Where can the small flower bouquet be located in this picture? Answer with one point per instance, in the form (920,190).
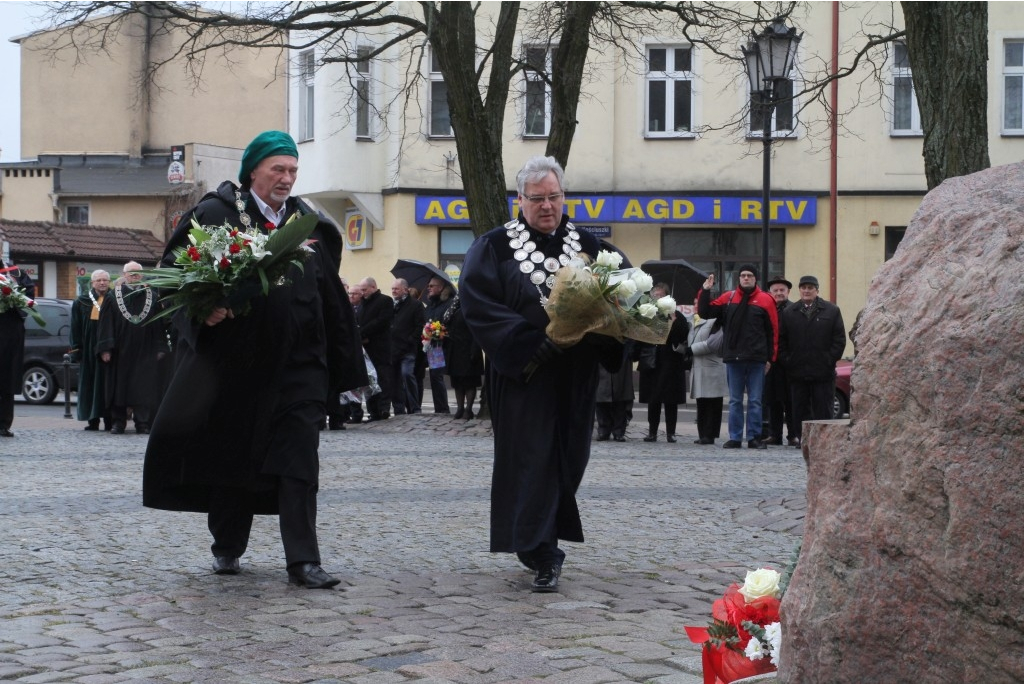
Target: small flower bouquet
(13,297)
(601,298)
(434,333)
(226,267)
(745,635)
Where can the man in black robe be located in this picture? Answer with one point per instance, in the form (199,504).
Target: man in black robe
(542,397)
(12,345)
(238,431)
(85,324)
(132,350)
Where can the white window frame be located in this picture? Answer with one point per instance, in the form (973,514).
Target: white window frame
(364,93)
(307,94)
(531,80)
(903,71)
(434,79)
(1012,72)
(671,76)
(80,207)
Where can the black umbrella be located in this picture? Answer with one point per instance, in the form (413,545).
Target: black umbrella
(683,278)
(417,274)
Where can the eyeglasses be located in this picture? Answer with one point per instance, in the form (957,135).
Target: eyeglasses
(541,199)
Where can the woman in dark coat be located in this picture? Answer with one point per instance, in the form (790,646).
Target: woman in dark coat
(664,381)
(464,360)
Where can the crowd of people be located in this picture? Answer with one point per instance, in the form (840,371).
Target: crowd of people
(316,352)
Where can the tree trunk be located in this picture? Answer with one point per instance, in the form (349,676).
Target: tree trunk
(947,43)
(477,124)
(567,77)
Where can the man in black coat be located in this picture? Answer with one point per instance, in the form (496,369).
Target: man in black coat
(542,398)
(406,337)
(378,312)
(812,340)
(778,401)
(12,345)
(238,430)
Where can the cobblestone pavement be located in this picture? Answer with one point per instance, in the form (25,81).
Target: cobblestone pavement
(95,588)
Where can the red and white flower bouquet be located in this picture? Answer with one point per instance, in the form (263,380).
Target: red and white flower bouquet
(13,297)
(745,635)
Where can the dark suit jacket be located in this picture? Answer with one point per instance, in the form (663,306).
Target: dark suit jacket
(375,327)
(407,327)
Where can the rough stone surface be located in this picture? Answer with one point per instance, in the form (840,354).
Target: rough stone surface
(911,567)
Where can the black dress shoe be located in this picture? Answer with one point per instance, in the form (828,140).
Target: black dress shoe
(547,578)
(92,426)
(311,576)
(459,414)
(226,566)
(601,437)
(469,415)
(670,438)
(757,445)
(650,438)
(6,433)
(732,444)
(118,429)
(619,438)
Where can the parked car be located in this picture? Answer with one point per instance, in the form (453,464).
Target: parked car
(45,347)
(841,399)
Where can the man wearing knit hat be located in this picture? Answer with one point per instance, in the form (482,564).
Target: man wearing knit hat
(238,431)
(813,339)
(751,327)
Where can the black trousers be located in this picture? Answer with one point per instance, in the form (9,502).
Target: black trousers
(438,391)
(230,520)
(6,410)
(812,401)
(709,417)
(654,416)
(613,417)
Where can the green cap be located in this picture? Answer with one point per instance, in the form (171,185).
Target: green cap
(266,144)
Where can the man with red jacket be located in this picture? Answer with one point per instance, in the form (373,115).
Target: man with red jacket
(751,340)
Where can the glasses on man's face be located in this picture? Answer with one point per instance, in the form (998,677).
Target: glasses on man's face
(541,199)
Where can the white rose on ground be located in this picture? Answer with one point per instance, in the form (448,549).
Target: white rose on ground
(648,310)
(666,305)
(643,281)
(754,649)
(626,289)
(764,582)
(608,259)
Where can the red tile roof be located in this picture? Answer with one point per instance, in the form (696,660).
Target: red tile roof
(46,239)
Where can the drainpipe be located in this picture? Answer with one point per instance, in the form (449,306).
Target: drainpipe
(833,192)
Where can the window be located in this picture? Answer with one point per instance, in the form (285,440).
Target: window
(307,69)
(1013,86)
(454,244)
(440,117)
(721,251)
(76,214)
(669,91)
(782,114)
(363,93)
(538,106)
(893,237)
(906,118)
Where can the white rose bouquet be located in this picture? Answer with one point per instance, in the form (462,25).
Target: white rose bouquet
(601,298)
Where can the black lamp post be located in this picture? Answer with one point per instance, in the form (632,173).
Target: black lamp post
(769,57)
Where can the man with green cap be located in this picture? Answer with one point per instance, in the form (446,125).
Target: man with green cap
(238,431)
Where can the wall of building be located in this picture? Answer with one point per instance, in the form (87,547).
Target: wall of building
(27,194)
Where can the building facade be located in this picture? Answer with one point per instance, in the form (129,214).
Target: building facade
(666,162)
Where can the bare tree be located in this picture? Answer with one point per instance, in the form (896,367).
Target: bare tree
(481,76)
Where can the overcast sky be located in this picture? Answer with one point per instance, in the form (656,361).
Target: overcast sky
(16,19)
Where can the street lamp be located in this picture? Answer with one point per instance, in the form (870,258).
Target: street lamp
(769,57)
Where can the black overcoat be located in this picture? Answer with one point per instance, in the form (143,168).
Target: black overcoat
(666,382)
(248,395)
(134,372)
(542,424)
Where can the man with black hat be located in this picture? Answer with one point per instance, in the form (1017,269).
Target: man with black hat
(777,402)
(238,431)
(813,339)
(751,327)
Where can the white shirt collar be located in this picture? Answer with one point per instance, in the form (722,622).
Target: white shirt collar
(276,217)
